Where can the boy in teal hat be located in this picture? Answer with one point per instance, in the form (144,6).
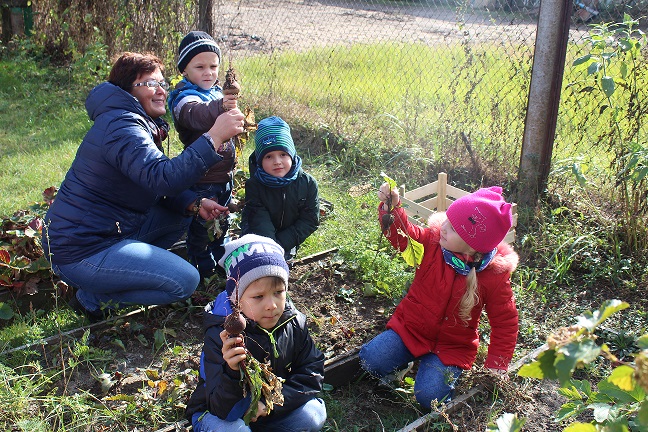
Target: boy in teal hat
(281,200)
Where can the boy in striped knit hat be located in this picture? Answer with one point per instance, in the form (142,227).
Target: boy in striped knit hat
(195,103)
(281,200)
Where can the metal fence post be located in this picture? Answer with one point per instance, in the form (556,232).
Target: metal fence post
(544,99)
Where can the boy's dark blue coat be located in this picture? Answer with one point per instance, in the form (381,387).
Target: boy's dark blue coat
(288,347)
(287,214)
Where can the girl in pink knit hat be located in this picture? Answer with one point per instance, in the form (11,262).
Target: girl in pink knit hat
(466,268)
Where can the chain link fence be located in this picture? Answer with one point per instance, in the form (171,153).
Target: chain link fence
(461,71)
(436,82)
(441,85)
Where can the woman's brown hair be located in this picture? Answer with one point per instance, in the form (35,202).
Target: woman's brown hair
(129,66)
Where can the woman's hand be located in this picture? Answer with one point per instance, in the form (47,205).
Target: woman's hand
(230,102)
(210,209)
(226,126)
(233,350)
(387,196)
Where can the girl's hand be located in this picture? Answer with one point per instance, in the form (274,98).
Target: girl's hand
(210,209)
(384,193)
(230,102)
(503,374)
(261,412)
(387,196)
(233,350)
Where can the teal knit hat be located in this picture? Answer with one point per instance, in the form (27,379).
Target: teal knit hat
(273,134)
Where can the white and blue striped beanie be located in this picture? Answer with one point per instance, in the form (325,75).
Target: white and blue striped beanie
(249,258)
(194,43)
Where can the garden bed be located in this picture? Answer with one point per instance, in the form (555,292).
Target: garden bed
(150,359)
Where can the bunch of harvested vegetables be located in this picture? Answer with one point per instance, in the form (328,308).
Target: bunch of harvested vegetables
(232,87)
(256,378)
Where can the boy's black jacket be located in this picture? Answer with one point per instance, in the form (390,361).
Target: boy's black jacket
(288,347)
(287,214)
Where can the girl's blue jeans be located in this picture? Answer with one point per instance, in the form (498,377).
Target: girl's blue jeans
(139,270)
(308,417)
(386,353)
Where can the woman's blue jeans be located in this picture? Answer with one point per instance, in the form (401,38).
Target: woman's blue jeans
(308,417)
(139,270)
(386,353)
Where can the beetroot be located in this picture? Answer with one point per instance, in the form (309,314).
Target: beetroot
(234,323)
(386,221)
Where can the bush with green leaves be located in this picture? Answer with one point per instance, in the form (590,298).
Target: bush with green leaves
(619,402)
(615,74)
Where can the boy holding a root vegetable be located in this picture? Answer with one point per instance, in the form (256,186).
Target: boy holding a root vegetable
(259,368)
(465,268)
(195,103)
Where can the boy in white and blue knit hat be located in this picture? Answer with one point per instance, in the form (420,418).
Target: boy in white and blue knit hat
(195,103)
(275,333)
(281,200)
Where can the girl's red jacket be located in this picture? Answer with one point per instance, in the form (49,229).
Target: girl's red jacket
(427,319)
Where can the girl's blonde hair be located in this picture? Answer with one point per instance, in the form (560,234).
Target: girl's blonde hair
(471,296)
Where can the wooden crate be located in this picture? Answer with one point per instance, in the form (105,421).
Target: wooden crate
(421,202)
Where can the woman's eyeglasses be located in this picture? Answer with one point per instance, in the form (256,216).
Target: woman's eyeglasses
(153,84)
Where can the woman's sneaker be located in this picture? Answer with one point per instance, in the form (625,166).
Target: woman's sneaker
(93,316)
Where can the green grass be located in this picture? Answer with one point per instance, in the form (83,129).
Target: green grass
(387,96)
(44,118)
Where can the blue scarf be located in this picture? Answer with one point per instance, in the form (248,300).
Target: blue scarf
(462,267)
(277,182)
(185,88)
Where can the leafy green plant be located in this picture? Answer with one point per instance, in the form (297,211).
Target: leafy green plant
(619,402)
(506,423)
(615,71)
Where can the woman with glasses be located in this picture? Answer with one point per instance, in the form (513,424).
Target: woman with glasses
(123,203)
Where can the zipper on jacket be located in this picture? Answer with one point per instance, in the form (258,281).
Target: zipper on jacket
(283,208)
(270,334)
(118,227)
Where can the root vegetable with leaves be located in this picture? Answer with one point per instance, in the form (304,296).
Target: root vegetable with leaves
(232,87)
(256,377)
(388,195)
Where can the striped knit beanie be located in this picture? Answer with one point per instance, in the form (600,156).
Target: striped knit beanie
(249,258)
(194,43)
(273,134)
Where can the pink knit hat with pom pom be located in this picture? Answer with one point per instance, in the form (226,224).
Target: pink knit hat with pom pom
(481,218)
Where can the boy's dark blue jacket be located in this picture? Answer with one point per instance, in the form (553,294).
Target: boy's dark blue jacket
(288,347)
(118,174)
(286,214)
